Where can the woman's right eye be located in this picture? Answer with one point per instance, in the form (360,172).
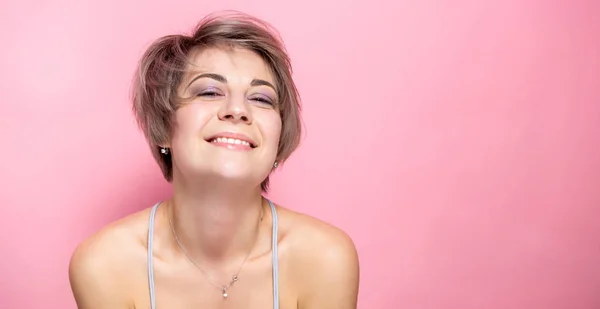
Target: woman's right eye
(208,93)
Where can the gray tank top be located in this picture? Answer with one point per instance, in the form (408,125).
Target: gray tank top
(273,257)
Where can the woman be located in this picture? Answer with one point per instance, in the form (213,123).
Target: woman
(220,111)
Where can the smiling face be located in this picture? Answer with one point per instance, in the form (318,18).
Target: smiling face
(230,129)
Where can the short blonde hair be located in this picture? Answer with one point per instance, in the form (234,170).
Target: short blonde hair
(162,66)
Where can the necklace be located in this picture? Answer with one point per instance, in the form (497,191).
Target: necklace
(223,288)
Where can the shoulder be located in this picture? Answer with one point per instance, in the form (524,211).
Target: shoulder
(100,268)
(325,260)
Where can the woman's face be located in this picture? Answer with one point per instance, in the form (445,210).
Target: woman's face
(231,129)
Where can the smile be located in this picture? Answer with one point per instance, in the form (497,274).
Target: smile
(231,141)
(234,141)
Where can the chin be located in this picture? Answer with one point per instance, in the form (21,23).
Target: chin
(237,174)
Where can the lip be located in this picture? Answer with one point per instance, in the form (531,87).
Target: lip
(240,136)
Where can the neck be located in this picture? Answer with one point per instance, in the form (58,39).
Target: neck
(216,222)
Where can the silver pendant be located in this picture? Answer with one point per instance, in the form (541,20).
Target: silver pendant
(224,292)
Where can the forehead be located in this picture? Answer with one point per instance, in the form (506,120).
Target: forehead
(231,62)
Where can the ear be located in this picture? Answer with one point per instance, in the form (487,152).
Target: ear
(166,144)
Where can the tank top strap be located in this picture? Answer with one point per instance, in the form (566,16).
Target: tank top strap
(150,259)
(274,257)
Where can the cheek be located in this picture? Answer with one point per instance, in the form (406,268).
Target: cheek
(272,131)
(189,120)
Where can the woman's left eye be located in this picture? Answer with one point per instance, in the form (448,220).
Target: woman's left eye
(262,100)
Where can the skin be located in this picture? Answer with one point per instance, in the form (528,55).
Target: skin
(318,263)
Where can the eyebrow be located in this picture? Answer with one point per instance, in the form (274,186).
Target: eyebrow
(222,79)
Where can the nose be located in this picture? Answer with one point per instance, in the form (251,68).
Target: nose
(235,110)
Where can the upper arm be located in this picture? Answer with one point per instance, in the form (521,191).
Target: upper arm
(332,279)
(92,279)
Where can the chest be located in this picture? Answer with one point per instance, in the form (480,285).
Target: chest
(186,287)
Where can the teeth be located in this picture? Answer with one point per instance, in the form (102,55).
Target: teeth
(232,141)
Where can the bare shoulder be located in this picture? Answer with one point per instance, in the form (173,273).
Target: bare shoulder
(310,234)
(325,260)
(100,268)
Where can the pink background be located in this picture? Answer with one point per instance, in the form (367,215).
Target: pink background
(457,142)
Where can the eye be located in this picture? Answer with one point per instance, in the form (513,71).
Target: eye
(262,100)
(210,93)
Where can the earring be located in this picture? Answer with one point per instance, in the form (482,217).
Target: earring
(275,164)
(164,150)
